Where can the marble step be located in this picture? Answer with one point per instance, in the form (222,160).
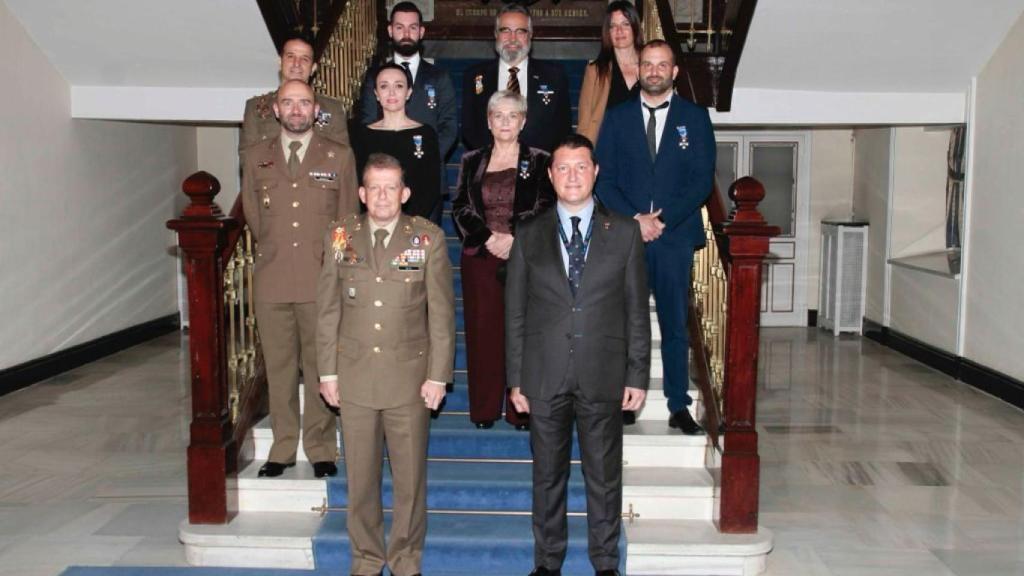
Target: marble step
(651,492)
(693,547)
(654,547)
(646,443)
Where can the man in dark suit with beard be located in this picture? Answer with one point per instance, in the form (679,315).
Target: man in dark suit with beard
(578,332)
(548,117)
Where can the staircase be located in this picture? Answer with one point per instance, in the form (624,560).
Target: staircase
(479,491)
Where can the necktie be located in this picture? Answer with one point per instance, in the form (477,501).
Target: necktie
(378,247)
(652,129)
(513,80)
(293,158)
(577,256)
(408,67)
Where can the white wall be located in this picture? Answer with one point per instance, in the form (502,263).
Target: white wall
(831,194)
(995,272)
(217,153)
(919,191)
(83,247)
(871,172)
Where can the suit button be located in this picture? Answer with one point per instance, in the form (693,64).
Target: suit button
(568,336)
(376,349)
(295,184)
(378,279)
(295,244)
(376,326)
(378,303)
(295,204)
(408,280)
(295,224)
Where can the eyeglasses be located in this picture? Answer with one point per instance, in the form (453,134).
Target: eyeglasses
(506,31)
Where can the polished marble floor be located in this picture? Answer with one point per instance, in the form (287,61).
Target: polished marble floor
(871,464)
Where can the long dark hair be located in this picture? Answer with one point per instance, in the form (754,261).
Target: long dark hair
(607,54)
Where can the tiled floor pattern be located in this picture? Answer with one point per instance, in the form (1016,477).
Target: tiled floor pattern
(871,464)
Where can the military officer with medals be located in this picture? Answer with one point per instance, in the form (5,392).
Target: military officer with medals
(259,123)
(386,346)
(293,185)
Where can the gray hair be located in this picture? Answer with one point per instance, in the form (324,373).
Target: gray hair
(514,9)
(508,96)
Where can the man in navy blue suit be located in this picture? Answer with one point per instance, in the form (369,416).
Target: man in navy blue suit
(657,158)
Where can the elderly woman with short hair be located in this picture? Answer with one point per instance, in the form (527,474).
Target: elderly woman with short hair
(499,185)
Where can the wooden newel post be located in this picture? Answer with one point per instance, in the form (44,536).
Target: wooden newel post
(748,237)
(202,232)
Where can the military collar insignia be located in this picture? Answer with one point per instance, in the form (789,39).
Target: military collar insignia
(330,154)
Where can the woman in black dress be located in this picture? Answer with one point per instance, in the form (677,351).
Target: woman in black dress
(413,144)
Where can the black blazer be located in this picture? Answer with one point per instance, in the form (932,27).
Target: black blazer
(548,114)
(439,114)
(606,327)
(533,192)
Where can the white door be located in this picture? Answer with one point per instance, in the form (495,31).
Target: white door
(781,162)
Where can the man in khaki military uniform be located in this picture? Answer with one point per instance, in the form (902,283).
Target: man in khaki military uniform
(259,123)
(293,185)
(386,345)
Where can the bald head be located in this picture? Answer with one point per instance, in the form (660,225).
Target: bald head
(296,107)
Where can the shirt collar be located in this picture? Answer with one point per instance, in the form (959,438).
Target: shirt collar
(390,227)
(286,140)
(414,60)
(648,103)
(586,215)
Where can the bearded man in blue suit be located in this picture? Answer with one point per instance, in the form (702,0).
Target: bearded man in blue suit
(657,158)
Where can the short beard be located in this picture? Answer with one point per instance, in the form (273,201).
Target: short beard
(655,89)
(406,49)
(510,56)
(299,128)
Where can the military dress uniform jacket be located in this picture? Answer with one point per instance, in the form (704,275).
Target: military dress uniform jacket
(385,327)
(288,217)
(260,125)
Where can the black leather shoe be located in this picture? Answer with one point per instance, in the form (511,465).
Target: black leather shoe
(321,469)
(273,469)
(485,425)
(683,421)
(523,427)
(612,572)
(542,571)
(628,417)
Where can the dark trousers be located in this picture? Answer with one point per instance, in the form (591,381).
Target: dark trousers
(599,429)
(483,298)
(668,271)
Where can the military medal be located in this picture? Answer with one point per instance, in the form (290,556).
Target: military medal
(684,141)
(339,242)
(323,119)
(431,96)
(545,94)
(478,84)
(265,164)
(321,176)
(415,241)
(417,140)
(410,259)
(524,169)
(266,201)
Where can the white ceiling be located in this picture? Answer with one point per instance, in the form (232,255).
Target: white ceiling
(221,48)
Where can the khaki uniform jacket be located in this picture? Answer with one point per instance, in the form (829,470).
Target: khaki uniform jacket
(593,101)
(384,328)
(288,218)
(260,125)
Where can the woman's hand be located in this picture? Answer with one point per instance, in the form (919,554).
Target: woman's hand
(499,244)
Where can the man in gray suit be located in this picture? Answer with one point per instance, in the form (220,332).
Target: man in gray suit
(578,332)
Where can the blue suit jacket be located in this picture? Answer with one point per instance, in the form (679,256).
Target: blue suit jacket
(677,182)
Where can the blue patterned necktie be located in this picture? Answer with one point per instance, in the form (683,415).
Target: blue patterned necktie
(577,255)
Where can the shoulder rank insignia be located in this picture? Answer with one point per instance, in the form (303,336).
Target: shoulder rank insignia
(263,106)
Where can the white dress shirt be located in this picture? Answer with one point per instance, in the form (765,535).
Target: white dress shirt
(521,75)
(414,63)
(660,118)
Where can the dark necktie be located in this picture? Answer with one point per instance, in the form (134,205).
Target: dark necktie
(293,158)
(652,129)
(408,67)
(513,80)
(378,247)
(577,256)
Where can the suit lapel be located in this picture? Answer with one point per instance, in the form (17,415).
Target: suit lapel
(669,134)
(598,239)
(638,123)
(552,242)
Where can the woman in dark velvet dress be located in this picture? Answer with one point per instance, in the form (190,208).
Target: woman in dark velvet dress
(499,185)
(413,144)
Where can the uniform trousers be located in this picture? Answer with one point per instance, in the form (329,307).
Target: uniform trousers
(483,297)
(288,333)
(668,270)
(599,429)
(366,431)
